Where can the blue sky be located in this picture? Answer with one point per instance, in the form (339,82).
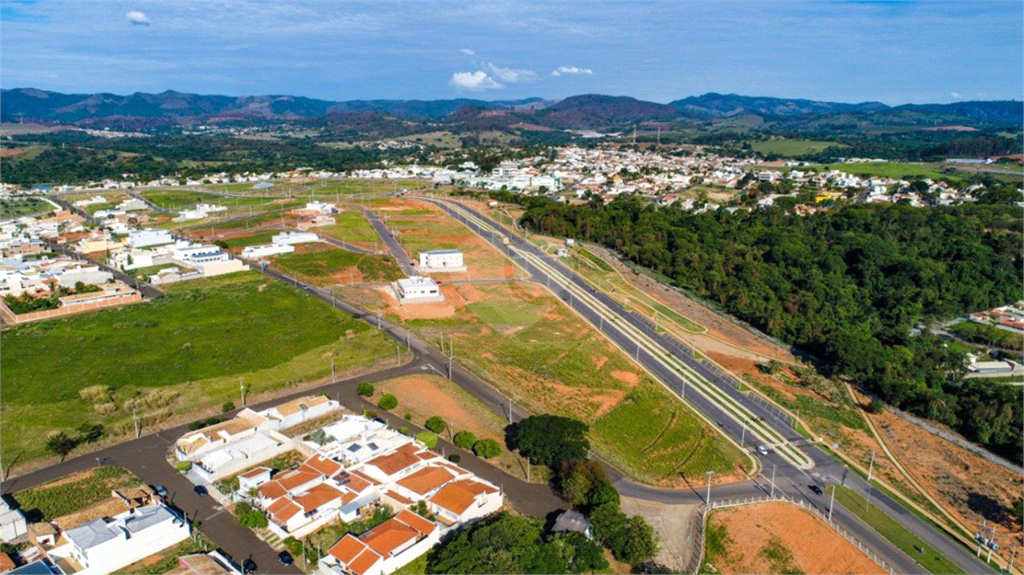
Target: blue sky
(661,51)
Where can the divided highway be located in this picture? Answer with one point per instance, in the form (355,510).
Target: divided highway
(797,464)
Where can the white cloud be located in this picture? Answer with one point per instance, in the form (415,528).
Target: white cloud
(956,95)
(572,70)
(468,52)
(138,18)
(511,75)
(478,80)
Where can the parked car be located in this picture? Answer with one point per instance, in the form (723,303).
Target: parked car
(201,491)
(249,566)
(160,490)
(285,558)
(817,490)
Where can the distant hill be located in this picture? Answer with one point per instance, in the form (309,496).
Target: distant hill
(587,111)
(712,105)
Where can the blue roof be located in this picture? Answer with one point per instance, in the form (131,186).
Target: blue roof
(38,567)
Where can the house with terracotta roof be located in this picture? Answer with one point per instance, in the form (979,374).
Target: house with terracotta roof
(383,549)
(465,500)
(392,466)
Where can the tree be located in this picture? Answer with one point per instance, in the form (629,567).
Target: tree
(502,544)
(640,544)
(388,402)
(427,438)
(436,424)
(487,448)
(464,439)
(228,406)
(550,439)
(580,554)
(249,516)
(89,432)
(365,389)
(1018,511)
(60,444)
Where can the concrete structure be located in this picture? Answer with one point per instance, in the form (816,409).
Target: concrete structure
(292,238)
(255,252)
(147,238)
(418,289)
(12,522)
(212,563)
(441,261)
(106,545)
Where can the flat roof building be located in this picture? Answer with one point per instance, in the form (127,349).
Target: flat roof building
(418,289)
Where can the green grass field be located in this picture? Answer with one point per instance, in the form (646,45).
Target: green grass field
(253,239)
(172,356)
(898,535)
(353,227)
(48,502)
(321,266)
(531,346)
(28,206)
(897,170)
(790,147)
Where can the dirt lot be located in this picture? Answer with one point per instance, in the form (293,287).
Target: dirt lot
(674,525)
(782,538)
(424,396)
(972,488)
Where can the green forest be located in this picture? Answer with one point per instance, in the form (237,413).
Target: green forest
(845,286)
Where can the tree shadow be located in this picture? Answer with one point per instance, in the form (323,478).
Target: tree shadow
(988,507)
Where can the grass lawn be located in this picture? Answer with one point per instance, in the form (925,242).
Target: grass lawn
(27,206)
(69,494)
(790,147)
(353,227)
(898,535)
(897,170)
(172,356)
(532,347)
(254,239)
(987,335)
(324,265)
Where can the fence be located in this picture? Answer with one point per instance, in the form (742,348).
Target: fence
(698,558)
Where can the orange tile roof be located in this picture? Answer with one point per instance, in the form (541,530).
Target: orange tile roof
(296,477)
(364,562)
(317,497)
(426,480)
(254,472)
(347,549)
(398,498)
(389,536)
(6,563)
(421,525)
(397,460)
(324,465)
(364,477)
(283,509)
(300,404)
(459,495)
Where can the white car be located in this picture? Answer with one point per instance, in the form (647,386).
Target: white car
(762,450)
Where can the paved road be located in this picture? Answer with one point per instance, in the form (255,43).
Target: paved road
(145,288)
(792,479)
(396,249)
(75,209)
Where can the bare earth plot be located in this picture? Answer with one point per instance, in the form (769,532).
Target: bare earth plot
(778,538)
(424,396)
(674,526)
(532,347)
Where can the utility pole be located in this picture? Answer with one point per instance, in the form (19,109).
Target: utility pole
(334,379)
(510,410)
(871,466)
(707,499)
(831,502)
(241,387)
(378,318)
(773,483)
(138,427)
(743,436)
(398,352)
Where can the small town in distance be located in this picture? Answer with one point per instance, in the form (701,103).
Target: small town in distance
(496,321)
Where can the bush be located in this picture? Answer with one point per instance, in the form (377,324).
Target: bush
(404,431)
(388,402)
(60,444)
(183,466)
(436,424)
(464,439)
(248,516)
(487,448)
(427,438)
(369,414)
(407,416)
(364,389)
(876,406)
(455,458)
(228,406)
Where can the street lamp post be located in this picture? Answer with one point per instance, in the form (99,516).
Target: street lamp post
(708,498)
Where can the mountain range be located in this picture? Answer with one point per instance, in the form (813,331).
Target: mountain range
(576,112)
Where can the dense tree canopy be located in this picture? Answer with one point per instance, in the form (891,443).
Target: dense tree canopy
(847,286)
(549,439)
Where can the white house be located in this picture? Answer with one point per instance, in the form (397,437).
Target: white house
(441,261)
(146,238)
(322,208)
(106,545)
(383,549)
(12,522)
(292,238)
(464,500)
(209,260)
(253,252)
(418,289)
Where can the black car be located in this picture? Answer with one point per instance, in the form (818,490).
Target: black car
(285,558)
(249,566)
(201,491)
(817,490)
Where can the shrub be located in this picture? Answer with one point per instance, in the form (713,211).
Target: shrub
(364,389)
(89,432)
(404,431)
(60,444)
(183,466)
(248,516)
(96,393)
(407,416)
(228,406)
(388,402)
(455,458)
(487,448)
(369,414)
(876,406)
(436,424)
(465,439)
(427,438)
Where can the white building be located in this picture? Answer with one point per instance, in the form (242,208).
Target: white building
(147,238)
(12,522)
(254,252)
(322,208)
(106,545)
(418,289)
(441,261)
(90,201)
(383,549)
(292,238)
